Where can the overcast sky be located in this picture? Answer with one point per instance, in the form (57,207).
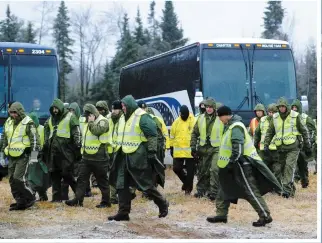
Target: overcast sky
(201,19)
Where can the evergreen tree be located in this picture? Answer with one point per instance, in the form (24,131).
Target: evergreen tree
(273,19)
(29,35)
(311,77)
(139,33)
(63,43)
(171,33)
(10,27)
(153,22)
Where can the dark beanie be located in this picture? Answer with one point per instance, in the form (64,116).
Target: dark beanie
(142,104)
(224,111)
(117,105)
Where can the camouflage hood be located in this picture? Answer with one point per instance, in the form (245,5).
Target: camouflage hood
(260,107)
(103,104)
(283,102)
(298,105)
(18,107)
(210,102)
(35,119)
(60,106)
(130,104)
(91,109)
(272,107)
(76,108)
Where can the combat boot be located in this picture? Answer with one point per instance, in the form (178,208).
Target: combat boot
(263,221)
(104,205)
(119,217)
(163,211)
(217,219)
(74,203)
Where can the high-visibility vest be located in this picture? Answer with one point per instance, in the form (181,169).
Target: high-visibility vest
(117,137)
(131,136)
(110,136)
(92,143)
(285,130)
(225,150)
(18,139)
(304,118)
(264,125)
(82,121)
(41,133)
(253,125)
(216,131)
(63,129)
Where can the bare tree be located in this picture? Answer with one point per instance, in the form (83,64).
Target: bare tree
(46,9)
(93,32)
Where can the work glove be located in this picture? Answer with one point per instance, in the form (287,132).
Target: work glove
(3,161)
(285,194)
(266,149)
(171,151)
(194,154)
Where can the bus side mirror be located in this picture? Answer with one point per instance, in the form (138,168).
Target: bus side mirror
(198,99)
(305,104)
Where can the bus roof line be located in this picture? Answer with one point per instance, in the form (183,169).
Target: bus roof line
(23,45)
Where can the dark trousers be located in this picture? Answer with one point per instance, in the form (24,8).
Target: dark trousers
(100,171)
(124,195)
(185,177)
(56,177)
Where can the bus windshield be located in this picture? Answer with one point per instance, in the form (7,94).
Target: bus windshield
(224,76)
(273,75)
(34,81)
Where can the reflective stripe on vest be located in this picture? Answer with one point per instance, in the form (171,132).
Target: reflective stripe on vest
(109,136)
(82,121)
(133,135)
(263,126)
(225,150)
(285,131)
(18,140)
(41,133)
(63,129)
(118,133)
(216,131)
(92,143)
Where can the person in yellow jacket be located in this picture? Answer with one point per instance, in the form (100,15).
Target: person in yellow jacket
(208,131)
(180,136)
(270,158)
(20,142)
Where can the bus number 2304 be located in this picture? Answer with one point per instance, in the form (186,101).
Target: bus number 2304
(33,51)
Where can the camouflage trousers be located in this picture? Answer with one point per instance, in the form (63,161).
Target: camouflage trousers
(208,181)
(287,167)
(250,191)
(272,161)
(302,171)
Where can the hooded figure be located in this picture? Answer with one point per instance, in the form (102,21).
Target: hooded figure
(242,174)
(184,165)
(102,108)
(74,107)
(288,129)
(94,157)
(271,158)
(259,111)
(135,162)
(20,139)
(208,131)
(61,147)
(302,162)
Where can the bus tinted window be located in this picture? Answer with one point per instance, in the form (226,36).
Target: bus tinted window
(224,76)
(34,82)
(274,75)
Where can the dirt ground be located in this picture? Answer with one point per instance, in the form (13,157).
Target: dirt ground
(294,218)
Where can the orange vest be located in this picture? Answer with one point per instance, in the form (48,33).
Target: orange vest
(253,125)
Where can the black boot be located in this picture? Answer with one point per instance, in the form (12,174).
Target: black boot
(217,219)
(163,211)
(262,221)
(198,195)
(119,217)
(74,203)
(305,185)
(88,193)
(104,205)
(212,197)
